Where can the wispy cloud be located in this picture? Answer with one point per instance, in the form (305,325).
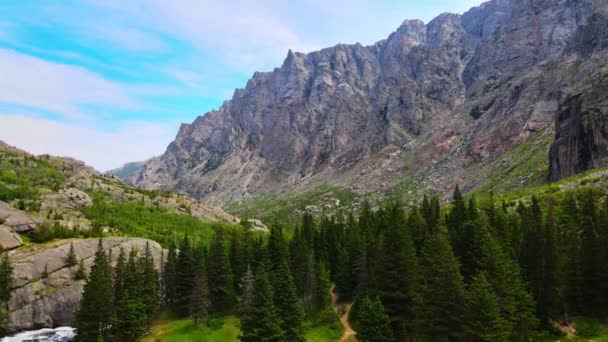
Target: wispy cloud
(33,82)
(101,148)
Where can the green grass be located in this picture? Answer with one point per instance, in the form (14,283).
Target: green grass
(153,222)
(523,166)
(324,326)
(223,329)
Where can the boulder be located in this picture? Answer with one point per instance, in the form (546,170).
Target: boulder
(43,302)
(9,239)
(18,220)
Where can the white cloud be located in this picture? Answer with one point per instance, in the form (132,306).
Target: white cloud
(103,149)
(61,88)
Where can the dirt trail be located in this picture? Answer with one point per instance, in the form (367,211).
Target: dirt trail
(343,311)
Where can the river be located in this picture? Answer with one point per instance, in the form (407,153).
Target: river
(61,334)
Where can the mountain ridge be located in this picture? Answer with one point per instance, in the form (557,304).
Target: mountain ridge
(367,117)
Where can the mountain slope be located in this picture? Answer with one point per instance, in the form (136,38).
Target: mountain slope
(433,104)
(127,170)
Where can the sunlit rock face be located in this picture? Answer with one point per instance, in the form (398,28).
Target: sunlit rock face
(44,301)
(322,116)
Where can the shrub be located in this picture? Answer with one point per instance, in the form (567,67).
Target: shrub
(588,329)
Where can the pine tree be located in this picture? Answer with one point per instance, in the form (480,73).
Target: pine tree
(569,242)
(200,298)
(119,274)
(93,317)
(149,281)
(418,227)
(260,320)
(6,281)
(441,296)
(516,303)
(71,257)
(130,320)
(288,304)
(322,297)
(344,280)
(170,278)
(483,319)
(220,275)
(81,273)
(6,278)
(373,323)
(184,278)
(238,257)
(591,251)
(398,273)
(246,288)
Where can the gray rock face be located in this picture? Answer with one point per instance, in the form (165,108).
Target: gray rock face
(38,302)
(9,239)
(17,220)
(581,141)
(322,115)
(65,207)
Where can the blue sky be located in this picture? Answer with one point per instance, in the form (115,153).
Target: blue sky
(110,81)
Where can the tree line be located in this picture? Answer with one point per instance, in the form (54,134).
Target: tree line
(467,271)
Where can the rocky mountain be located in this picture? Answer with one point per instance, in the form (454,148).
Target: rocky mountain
(452,101)
(126,171)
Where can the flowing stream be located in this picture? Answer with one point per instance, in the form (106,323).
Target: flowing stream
(61,334)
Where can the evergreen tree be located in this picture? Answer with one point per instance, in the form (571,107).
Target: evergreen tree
(220,275)
(260,320)
(184,278)
(441,295)
(483,319)
(95,312)
(6,281)
(130,319)
(591,254)
(119,274)
(516,303)
(344,282)
(322,297)
(81,273)
(373,323)
(246,288)
(288,304)
(170,278)
(71,257)
(398,273)
(238,257)
(6,278)
(149,281)
(200,298)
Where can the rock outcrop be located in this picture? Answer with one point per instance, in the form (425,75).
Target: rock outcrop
(17,220)
(38,301)
(581,140)
(9,239)
(331,115)
(65,207)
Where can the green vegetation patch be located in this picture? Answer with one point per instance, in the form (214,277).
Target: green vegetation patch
(324,326)
(287,209)
(153,222)
(523,166)
(25,178)
(184,330)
